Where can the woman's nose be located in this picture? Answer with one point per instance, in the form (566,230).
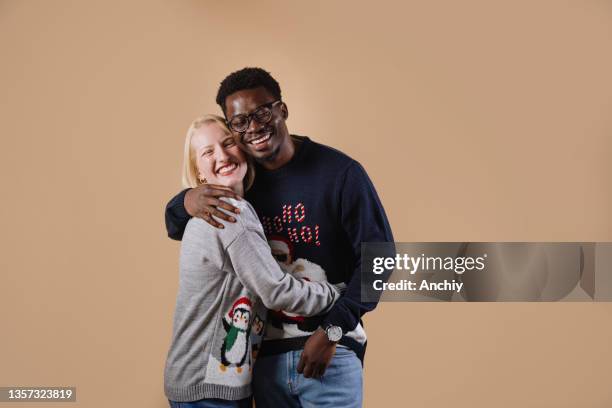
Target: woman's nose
(221,154)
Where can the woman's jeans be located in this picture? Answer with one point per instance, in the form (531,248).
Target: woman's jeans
(276,382)
(213,403)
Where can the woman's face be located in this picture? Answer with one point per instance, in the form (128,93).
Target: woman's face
(219,159)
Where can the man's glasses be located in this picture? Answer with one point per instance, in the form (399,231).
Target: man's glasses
(262,115)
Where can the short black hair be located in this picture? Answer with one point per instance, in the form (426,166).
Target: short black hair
(247,78)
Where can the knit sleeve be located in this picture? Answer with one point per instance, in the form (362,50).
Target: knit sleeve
(176,216)
(363,219)
(252,261)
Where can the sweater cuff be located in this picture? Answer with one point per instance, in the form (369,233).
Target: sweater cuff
(341,316)
(177,205)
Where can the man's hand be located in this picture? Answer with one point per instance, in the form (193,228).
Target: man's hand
(317,354)
(203,202)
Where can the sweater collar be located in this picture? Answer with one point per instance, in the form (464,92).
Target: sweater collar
(297,157)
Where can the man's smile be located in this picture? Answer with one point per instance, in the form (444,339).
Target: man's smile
(260,141)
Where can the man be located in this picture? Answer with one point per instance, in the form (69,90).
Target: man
(322,205)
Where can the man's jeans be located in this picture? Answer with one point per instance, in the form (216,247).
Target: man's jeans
(276,382)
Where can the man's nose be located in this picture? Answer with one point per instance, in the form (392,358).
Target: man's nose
(254,126)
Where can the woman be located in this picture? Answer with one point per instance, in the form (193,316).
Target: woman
(228,278)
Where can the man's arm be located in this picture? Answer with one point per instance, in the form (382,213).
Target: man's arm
(202,202)
(363,219)
(176,216)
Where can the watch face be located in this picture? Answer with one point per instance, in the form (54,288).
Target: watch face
(334,333)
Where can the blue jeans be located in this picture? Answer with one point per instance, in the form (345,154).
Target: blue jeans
(276,382)
(213,403)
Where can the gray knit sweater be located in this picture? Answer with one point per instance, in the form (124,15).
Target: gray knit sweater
(228,278)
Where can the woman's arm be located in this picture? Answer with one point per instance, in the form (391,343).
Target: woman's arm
(252,260)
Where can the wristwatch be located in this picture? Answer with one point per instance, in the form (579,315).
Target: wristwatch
(334,333)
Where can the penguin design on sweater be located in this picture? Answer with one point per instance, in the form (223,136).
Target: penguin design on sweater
(236,346)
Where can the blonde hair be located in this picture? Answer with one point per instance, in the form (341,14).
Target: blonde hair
(190,166)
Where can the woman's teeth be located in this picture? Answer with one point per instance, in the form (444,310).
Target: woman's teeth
(260,140)
(228,168)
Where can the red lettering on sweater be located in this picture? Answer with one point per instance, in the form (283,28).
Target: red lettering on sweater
(291,214)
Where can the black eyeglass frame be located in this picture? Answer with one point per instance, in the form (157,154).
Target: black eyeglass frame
(268,106)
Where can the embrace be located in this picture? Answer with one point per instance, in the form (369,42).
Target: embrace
(269,301)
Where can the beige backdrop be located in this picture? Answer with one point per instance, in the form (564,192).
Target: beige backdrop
(476,120)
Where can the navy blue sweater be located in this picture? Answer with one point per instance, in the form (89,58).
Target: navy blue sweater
(319,207)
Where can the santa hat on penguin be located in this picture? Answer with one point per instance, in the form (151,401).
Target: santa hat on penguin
(242,303)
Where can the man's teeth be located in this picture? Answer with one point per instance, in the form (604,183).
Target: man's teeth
(228,168)
(261,139)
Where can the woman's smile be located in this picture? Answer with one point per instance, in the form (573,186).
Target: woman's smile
(227,169)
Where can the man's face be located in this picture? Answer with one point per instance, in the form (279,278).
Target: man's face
(260,140)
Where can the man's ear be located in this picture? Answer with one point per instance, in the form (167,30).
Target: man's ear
(284,110)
